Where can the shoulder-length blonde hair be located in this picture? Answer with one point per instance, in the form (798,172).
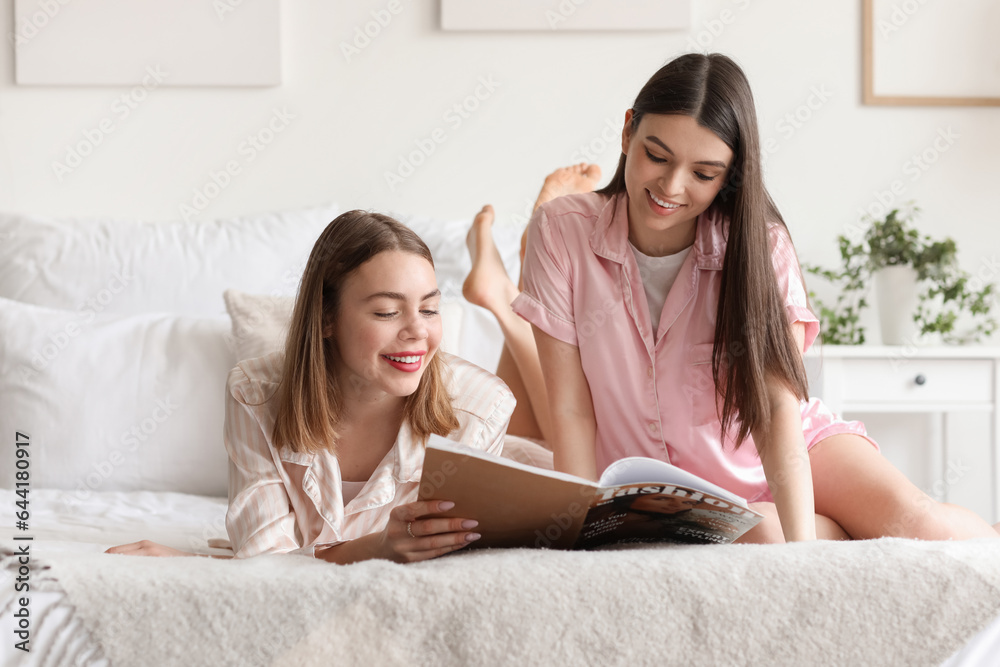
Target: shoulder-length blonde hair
(310,404)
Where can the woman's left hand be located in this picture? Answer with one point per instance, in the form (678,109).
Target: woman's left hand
(147,548)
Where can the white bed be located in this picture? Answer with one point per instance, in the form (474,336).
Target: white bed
(65,524)
(61,633)
(79,382)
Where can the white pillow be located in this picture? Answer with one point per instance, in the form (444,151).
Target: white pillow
(114,403)
(260,323)
(128,267)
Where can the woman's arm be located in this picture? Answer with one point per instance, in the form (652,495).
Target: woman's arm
(571,406)
(785,459)
(408,537)
(147,548)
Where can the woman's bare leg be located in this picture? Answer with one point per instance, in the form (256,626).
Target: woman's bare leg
(572,180)
(523,421)
(489,286)
(860,494)
(861,490)
(768,531)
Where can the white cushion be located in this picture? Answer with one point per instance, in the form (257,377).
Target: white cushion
(128,267)
(114,403)
(259,322)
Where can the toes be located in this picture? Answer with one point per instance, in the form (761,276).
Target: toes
(485,214)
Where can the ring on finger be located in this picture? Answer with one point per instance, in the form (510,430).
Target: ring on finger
(409,528)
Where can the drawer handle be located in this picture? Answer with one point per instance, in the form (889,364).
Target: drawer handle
(920,380)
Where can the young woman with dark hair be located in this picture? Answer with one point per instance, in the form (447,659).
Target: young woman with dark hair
(669,319)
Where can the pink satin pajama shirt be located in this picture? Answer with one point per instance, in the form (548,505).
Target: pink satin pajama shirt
(652,397)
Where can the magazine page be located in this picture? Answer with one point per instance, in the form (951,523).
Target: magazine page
(663,513)
(517,505)
(636,469)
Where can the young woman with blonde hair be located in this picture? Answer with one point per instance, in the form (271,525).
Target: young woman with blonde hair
(326,438)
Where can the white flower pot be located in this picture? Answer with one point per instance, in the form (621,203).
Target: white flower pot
(896,292)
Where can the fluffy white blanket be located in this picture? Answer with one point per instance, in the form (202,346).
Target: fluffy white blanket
(885,601)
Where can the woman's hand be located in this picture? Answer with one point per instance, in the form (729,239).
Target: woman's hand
(410,536)
(147,548)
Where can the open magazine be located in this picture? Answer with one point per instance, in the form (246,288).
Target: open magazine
(636,500)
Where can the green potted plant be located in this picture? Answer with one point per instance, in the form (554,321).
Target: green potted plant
(920,289)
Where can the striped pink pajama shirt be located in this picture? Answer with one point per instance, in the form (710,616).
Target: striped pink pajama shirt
(291,502)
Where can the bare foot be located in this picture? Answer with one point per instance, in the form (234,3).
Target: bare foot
(581,177)
(487,284)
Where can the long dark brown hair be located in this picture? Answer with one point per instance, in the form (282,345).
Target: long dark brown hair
(753,338)
(310,402)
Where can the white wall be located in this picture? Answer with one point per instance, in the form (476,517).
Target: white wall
(355,118)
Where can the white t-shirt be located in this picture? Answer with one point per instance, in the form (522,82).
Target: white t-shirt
(658,275)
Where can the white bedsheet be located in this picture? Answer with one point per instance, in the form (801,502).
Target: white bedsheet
(61,521)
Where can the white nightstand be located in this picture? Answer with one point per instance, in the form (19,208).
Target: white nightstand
(937,380)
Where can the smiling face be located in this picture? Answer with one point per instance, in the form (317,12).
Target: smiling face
(387,327)
(674,168)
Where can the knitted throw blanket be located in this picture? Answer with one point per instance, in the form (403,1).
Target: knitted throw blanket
(887,601)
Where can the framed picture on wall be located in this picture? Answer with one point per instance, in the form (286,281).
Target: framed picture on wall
(565,14)
(923,53)
(167,42)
